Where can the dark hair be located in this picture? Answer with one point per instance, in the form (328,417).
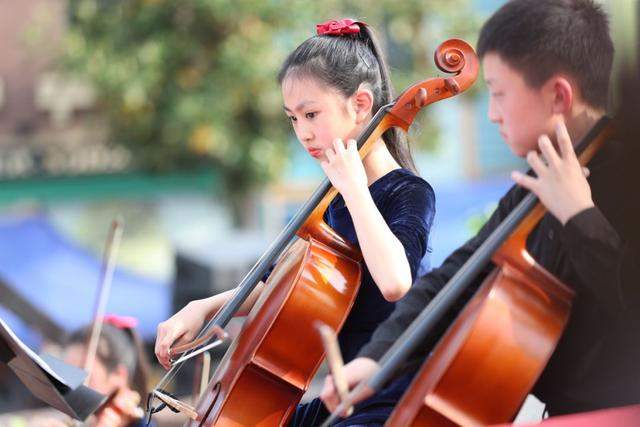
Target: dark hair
(542,37)
(344,62)
(118,347)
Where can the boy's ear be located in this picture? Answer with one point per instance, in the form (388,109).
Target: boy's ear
(362,102)
(563,95)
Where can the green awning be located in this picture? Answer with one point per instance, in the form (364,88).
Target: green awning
(96,187)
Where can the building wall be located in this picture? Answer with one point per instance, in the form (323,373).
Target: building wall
(29,35)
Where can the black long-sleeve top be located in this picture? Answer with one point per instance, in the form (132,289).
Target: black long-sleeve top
(597,361)
(407,204)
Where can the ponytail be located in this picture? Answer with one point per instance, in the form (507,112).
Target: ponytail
(396,141)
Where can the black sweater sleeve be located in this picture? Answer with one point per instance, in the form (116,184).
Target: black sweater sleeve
(603,262)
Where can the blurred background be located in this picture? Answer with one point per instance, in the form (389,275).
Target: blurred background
(168,115)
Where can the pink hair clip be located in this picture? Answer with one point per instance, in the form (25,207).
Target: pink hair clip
(121,322)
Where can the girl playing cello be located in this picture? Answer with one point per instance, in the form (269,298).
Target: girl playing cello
(332,84)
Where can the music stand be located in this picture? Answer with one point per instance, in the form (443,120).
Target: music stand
(56,383)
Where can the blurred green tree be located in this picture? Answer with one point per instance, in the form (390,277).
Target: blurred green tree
(191,83)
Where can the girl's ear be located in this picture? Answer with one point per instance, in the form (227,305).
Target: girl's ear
(362,102)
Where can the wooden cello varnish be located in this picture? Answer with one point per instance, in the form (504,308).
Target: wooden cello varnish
(276,352)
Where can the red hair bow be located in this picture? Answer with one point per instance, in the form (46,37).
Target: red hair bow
(121,322)
(338,28)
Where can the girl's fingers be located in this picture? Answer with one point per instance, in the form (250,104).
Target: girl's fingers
(352,149)
(159,347)
(338,146)
(325,167)
(162,347)
(182,339)
(330,154)
(162,353)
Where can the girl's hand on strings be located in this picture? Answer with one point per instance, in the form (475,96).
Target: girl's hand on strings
(344,168)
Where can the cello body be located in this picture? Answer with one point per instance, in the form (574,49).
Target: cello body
(312,282)
(484,366)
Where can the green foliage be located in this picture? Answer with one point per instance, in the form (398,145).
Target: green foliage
(191,83)
(186,83)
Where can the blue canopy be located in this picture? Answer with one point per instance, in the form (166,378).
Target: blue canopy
(61,279)
(457,202)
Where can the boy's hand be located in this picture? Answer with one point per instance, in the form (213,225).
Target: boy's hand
(561,184)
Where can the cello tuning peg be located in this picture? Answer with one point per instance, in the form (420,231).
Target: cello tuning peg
(452,85)
(420,99)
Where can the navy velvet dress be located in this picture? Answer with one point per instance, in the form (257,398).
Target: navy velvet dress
(407,204)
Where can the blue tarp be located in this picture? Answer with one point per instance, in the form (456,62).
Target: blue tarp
(61,279)
(456,204)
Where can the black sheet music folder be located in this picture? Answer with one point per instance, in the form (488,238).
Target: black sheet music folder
(56,383)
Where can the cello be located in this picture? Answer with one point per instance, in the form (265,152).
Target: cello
(269,366)
(491,357)
(483,367)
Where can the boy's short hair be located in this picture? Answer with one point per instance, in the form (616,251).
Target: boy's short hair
(540,38)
